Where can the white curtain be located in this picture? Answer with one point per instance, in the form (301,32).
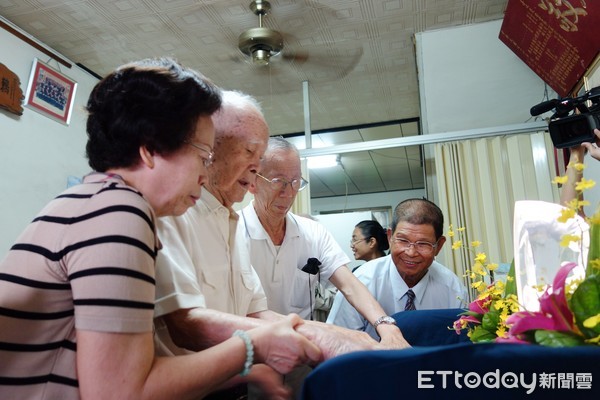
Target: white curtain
(478,183)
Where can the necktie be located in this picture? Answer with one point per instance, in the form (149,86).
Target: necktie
(410,301)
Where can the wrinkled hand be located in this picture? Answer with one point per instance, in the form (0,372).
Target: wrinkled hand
(269,382)
(334,340)
(391,337)
(282,348)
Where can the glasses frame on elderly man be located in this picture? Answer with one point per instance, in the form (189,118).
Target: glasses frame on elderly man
(422,247)
(280,184)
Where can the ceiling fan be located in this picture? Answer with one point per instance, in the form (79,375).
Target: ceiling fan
(260,43)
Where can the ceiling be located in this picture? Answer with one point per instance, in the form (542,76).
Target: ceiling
(357,55)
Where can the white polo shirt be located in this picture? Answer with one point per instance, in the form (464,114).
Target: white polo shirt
(205,263)
(279,268)
(439,288)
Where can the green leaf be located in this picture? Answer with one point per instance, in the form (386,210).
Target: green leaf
(472,314)
(594,252)
(557,339)
(490,321)
(482,335)
(511,284)
(585,303)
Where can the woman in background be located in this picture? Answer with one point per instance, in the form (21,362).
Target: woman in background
(369,241)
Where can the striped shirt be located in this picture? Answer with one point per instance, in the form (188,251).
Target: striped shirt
(85,262)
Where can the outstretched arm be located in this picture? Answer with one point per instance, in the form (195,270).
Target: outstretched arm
(360,298)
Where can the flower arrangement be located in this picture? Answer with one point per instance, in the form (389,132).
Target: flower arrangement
(569,313)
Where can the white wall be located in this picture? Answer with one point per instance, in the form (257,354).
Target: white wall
(469,79)
(37,154)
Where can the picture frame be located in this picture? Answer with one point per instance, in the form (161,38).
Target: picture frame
(50,93)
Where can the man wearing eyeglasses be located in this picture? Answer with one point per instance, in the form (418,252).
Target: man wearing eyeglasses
(408,278)
(280,244)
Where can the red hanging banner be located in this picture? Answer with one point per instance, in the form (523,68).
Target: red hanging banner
(557,39)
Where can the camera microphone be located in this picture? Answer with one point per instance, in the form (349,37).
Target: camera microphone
(543,107)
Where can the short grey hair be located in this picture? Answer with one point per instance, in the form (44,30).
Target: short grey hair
(419,212)
(276,144)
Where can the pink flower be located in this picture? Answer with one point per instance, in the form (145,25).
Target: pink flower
(463,322)
(478,307)
(554,311)
(511,339)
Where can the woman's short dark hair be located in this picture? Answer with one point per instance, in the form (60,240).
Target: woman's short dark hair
(154,103)
(419,212)
(373,229)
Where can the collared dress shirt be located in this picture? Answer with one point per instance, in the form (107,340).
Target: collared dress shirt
(204,263)
(439,288)
(279,267)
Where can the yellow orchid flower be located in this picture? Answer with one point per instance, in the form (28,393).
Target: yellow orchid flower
(577,166)
(566,239)
(457,245)
(591,322)
(584,184)
(594,340)
(566,214)
(475,243)
(478,269)
(501,331)
(480,258)
(561,180)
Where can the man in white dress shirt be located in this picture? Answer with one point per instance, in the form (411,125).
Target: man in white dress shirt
(408,278)
(281,244)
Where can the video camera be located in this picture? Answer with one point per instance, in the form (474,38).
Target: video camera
(568,128)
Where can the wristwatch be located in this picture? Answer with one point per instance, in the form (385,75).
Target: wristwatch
(384,320)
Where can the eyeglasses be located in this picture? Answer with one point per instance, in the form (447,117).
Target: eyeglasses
(280,184)
(422,247)
(354,241)
(208,158)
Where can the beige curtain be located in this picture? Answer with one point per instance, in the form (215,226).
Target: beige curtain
(478,183)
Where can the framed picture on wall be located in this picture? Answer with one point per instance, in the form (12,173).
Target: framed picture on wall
(50,92)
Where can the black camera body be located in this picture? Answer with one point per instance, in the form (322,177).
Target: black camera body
(573,130)
(573,121)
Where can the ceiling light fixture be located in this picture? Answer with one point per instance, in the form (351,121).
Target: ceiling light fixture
(326,161)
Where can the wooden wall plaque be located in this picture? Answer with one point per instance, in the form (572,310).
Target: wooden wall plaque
(11,95)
